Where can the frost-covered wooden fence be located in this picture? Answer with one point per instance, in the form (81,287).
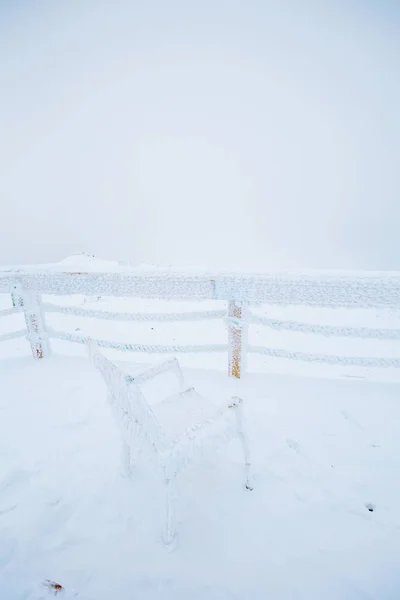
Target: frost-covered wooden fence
(239,291)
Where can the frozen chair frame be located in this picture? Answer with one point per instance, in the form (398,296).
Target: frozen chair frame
(141,427)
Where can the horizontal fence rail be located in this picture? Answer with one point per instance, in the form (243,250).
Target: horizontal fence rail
(126,316)
(4,337)
(378,291)
(6,312)
(326,330)
(330,290)
(348,361)
(148,348)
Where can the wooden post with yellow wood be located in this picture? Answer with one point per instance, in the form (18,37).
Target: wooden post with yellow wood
(237,338)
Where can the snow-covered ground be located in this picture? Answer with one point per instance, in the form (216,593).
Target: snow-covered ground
(325,443)
(322,450)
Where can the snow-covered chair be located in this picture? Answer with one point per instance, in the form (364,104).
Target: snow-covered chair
(172,432)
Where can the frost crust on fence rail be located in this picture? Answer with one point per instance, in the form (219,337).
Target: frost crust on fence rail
(4,337)
(6,312)
(322,290)
(346,361)
(149,348)
(125,316)
(326,330)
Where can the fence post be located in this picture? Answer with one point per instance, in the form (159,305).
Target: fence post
(237,338)
(17,299)
(30,303)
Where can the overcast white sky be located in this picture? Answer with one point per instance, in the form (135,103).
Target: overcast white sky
(215,132)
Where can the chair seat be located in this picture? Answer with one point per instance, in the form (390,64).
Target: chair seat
(178,412)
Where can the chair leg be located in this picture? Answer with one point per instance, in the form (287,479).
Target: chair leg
(247,464)
(126,459)
(243,439)
(170,509)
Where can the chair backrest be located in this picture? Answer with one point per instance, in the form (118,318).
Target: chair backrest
(167,365)
(130,408)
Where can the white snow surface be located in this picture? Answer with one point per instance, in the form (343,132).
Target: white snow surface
(322,450)
(325,446)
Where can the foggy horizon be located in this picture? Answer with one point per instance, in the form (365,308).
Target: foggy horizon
(213,134)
